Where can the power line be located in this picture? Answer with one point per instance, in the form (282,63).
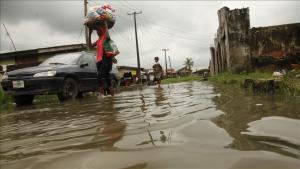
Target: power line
(81,31)
(178,35)
(168,27)
(129,6)
(124,41)
(12,42)
(132,5)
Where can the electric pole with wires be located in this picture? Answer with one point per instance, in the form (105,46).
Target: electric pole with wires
(86,28)
(165,50)
(137,45)
(170,65)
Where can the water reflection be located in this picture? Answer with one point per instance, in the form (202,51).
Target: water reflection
(146,118)
(243,107)
(112,129)
(134,118)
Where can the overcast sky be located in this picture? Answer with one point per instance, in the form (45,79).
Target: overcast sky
(187,28)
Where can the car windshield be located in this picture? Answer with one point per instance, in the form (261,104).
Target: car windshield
(62,59)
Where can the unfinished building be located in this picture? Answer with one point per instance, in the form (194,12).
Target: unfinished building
(238,48)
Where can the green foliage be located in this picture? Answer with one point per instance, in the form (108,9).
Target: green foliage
(288,84)
(181,79)
(43,99)
(4,100)
(234,78)
(189,63)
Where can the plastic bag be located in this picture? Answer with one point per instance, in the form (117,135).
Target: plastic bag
(110,48)
(98,14)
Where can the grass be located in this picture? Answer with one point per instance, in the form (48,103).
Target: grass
(235,78)
(181,79)
(289,83)
(42,99)
(5,100)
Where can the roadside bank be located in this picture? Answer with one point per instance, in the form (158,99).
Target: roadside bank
(181,79)
(260,81)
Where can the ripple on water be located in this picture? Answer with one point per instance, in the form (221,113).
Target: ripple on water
(277,131)
(131,119)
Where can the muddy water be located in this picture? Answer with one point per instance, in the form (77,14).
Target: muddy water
(186,125)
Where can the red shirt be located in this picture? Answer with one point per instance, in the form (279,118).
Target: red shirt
(99,42)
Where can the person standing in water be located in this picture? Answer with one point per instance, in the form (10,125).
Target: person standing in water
(158,71)
(104,63)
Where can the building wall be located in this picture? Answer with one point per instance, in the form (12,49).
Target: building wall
(238,24)
(238,48)
(276,45)
(231,49)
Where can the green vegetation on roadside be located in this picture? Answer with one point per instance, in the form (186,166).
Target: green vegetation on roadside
(41,99)
(289,83)
(6,102)
(181,79)
(235,78)
(4,99)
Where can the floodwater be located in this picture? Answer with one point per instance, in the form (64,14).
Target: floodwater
(179,126)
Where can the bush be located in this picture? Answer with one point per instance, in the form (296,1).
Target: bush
(289,84)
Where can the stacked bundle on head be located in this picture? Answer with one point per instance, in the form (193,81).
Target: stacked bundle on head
(98,15)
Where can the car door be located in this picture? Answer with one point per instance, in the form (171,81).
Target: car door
(88,73)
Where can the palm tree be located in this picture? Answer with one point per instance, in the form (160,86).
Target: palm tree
(189,63)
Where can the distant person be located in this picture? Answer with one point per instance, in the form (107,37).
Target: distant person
(158,71)
(104,63)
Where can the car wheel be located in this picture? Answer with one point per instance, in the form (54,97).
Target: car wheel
(80,95)
(114,83)
(69,90)
(23,100)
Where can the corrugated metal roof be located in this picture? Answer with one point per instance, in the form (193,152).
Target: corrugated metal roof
(48,50)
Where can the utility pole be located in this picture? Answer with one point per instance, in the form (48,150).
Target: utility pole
(137,45)
(170,64)
(86,28)
(12,42)
(165,50)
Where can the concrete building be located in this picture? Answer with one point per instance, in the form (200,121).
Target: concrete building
(238,48)
(125,69)
(184,71)
(25,58)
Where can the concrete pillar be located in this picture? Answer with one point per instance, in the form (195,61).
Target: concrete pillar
(212,61)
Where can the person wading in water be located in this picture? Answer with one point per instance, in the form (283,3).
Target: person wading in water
(158,71)
(104,63)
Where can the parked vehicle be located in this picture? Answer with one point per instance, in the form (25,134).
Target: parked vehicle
(67,75)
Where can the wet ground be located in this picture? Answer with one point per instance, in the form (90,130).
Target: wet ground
(186,125)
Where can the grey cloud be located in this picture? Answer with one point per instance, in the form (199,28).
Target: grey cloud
(186,27)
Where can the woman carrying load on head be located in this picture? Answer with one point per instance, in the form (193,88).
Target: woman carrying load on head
(104,63)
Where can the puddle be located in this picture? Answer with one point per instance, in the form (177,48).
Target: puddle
(185,125)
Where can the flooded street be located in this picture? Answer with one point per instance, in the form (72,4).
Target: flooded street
(185,125)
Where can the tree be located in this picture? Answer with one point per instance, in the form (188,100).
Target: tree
(189,63)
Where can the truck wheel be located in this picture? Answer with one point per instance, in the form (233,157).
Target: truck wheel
(69,90)
(23,100)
